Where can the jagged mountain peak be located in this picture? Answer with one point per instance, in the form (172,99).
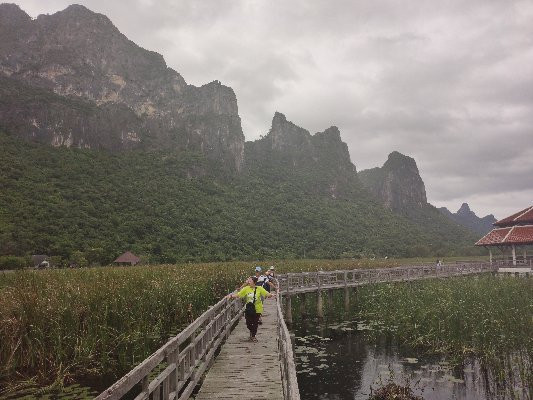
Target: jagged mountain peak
(397,160)
(11,15)
(80,13)
(66,74)
(464,209)
(467,218)
(279,117)
(397,184)
(332,133)
(286,136)
(78,9)
(296,148)
(76,18)
(284,127)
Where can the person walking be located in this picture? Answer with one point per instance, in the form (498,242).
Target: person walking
(252,294)
(271,281)
(261,278)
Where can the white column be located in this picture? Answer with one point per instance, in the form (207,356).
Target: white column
(490,256)
(525,254)
(514,254)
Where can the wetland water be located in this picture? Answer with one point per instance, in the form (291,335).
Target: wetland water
(338,361)
(345,358)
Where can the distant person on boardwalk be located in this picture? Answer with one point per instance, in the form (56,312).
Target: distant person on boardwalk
(271,281)
(261,279)
(252,294)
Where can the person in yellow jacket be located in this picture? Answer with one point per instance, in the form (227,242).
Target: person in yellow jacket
(252,294)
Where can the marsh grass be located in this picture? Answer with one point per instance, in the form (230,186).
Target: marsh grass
(68,323)
(488,318)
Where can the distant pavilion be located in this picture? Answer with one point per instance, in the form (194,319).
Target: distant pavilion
(127,258)
(514,232)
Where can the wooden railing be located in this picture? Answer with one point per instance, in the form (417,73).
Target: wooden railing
(518,263)
(303,282)
(173,371)
(288,368)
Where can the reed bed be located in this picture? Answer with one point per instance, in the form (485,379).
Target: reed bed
(489,318)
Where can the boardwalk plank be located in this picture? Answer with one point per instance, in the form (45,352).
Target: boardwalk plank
(247,370)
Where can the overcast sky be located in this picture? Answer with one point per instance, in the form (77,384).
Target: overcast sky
(449,83)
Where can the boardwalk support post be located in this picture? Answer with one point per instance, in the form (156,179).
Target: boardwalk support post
(346,299)
(303,304)
(288,309)
(346,293)
(319,300)
(319,305)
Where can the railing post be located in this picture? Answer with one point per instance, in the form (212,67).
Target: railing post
(320,300)
(172,358)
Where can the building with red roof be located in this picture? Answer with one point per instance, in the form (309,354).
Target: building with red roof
(514,232)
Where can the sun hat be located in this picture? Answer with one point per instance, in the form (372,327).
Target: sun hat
(258,269)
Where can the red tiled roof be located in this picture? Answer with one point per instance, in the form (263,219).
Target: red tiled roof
(507,236)
(128,257)
(524,216)
(520,234)
(495,236)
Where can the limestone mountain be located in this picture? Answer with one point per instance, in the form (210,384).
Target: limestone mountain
(321,160)
(466,217)
(71,84)
(72,79)
(397,184)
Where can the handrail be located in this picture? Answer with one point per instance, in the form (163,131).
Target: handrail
(288,368)
(304,282)
(184,366)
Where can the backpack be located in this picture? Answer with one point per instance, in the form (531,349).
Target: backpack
(250,306)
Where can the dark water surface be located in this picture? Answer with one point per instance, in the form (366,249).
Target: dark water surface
(338,361)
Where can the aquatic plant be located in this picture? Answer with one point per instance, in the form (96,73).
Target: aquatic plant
(393,391)
(484,317)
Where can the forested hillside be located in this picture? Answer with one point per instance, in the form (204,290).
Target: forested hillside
(93,205)
(105,149)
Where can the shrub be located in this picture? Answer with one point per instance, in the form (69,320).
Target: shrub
(12,262)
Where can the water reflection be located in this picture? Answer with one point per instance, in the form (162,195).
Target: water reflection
(338,361)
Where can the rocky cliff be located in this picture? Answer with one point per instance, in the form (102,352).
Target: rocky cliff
(79,82)
(397,184)
(467,218)
(323,158)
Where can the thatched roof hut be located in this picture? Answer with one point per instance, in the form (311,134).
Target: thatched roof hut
(127,258)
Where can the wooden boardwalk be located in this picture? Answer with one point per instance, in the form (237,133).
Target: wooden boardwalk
(246,370)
